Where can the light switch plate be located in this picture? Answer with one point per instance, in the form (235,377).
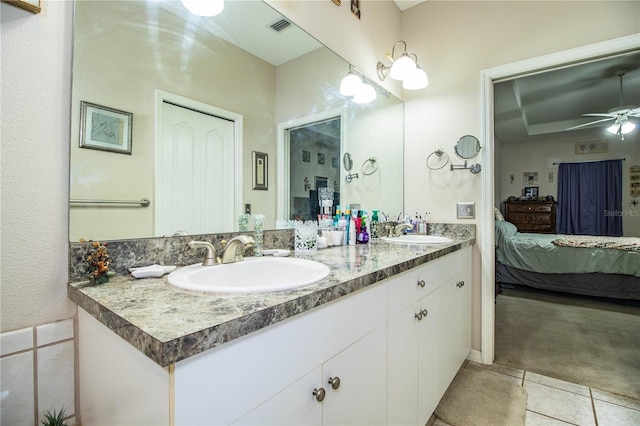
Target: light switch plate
(466,210)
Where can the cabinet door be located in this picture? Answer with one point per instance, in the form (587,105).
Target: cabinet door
(403,367)
(454,333)
(361,398)
(295,405)
(429,355)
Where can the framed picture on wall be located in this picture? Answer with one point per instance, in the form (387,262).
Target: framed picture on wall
(531,191)
(104,128)
(260,170)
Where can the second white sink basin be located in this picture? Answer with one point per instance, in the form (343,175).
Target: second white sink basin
(252,275)
(418,239)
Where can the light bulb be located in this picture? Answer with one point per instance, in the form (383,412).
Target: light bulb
(365,95)
(627,127)
(402,67)
(416,80)
(204,7)
(350,84)
(613,128)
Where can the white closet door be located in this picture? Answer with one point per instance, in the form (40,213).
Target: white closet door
(196,171)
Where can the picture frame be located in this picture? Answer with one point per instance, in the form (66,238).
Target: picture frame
(30,5)
(531,191)
(320,158)
(306,156)
(105,129)
(260,169)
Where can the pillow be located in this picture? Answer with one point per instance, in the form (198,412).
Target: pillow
(497,214)
(505,229)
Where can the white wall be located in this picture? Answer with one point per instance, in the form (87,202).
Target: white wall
(540,156)
(455,41)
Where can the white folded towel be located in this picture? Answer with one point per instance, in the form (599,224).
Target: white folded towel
(277,252)
(151,271)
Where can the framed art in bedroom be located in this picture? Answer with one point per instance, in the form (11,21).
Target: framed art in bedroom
(531,191)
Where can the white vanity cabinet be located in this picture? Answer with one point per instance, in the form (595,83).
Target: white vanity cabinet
(269,377)
(395,347)
(429,335)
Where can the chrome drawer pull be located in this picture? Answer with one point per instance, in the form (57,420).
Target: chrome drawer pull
(421,283)
(319,394)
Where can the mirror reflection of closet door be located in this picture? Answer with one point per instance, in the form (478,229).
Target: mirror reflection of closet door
(196,171)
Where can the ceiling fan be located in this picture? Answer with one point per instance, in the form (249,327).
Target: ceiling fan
(620,115)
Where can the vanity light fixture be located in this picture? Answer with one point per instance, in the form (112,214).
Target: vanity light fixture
(204,7)
(354,85)
(405,68)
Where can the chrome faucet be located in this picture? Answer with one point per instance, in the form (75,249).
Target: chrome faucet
(401,227)
(232,251)
(210,257)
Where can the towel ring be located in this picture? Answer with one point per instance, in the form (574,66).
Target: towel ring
(437,159)
(373,165)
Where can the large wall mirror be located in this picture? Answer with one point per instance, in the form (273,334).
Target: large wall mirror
(210,104)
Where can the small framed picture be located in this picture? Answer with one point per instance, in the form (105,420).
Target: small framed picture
(306,156)
(260,170)
(531,191)
(105,128)
(320,158)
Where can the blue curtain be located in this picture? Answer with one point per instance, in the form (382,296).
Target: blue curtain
(590,198)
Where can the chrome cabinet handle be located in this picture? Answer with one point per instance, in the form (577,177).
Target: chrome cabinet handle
(319,393)
(421,283)
(422,314)
(334,382)
(460,284)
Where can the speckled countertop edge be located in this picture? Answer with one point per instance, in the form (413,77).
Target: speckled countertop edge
(169,324)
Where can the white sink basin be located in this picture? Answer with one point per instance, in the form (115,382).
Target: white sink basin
(252,275)
(418,239)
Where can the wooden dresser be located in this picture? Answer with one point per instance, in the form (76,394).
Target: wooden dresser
(532,216)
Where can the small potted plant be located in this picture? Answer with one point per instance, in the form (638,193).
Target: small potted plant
(55,418)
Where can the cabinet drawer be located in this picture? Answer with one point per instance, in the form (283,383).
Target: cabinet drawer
(407,288)
(530,218)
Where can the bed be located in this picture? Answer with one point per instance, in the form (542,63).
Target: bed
(587,265)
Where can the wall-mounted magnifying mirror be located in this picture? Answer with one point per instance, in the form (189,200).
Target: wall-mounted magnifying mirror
(467,147)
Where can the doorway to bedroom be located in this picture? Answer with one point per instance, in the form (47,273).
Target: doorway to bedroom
(537,325)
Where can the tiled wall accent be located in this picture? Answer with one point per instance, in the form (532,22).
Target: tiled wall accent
(37,365)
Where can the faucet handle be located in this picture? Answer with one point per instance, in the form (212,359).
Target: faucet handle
(210,257)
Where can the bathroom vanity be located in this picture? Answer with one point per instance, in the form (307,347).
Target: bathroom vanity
(376,342)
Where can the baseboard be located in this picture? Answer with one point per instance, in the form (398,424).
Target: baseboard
(475,356)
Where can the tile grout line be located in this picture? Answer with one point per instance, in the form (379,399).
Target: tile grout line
(593,406)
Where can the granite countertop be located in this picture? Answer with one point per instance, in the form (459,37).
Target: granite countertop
(169,324)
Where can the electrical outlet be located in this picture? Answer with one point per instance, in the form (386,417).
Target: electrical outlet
(466,210)
(247,208)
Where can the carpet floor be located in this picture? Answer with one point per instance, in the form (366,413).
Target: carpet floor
(478,397)
(584,341)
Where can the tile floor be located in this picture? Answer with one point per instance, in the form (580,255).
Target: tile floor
(553,402)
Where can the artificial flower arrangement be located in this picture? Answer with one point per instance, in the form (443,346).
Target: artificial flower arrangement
(98,259)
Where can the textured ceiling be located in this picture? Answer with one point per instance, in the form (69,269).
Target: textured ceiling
(552,101)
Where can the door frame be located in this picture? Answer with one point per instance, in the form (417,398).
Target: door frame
(282,158)
(488,76)
(160,97)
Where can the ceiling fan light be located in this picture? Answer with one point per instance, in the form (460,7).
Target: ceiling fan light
(366,94)
(350,84)
(402,67)
(416,80)
(613,128)
(627,127)
(204,7)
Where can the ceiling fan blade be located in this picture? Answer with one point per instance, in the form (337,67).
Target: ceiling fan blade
(590,123)
(634,112)
(598,114)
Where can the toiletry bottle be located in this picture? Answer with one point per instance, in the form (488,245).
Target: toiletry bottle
(374,225)
(363,235)
(352,231)
(348,227)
